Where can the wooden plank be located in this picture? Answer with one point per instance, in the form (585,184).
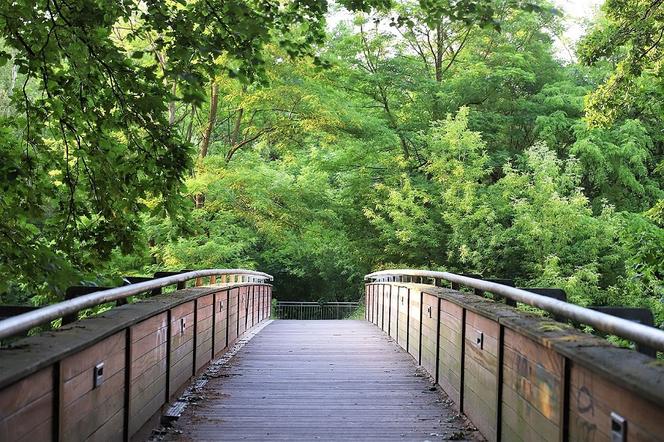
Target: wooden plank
(221,313)
(373,392)
(450,353)
(26,408)
(402,325)
(480,385)
(534,373)
(181,347)
(394,299)
(87,408)
(414,324)
(592,400)
(233,301)
(36,352)
(203,331)
(429,332)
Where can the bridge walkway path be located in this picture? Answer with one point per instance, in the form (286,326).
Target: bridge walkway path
(321,380)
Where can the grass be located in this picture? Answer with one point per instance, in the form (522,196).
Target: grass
(358,313)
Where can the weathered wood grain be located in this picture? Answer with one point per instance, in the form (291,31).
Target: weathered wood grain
(26,408)
(87,408)
(402,326)
(531,398)
(450,354)
(429,333)
(232,315)
(379,305)
(182,346)
(394,312)
(221,312)
(480,386)
(593,398)
(203,331)
(374,392)
(414,324)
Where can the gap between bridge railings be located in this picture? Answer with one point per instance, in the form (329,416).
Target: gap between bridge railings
(303,310)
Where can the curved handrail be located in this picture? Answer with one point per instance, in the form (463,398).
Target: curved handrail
(20,323)
(642,334)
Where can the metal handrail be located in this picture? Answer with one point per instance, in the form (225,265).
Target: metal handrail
(318,303)
(26,321)
(642,334)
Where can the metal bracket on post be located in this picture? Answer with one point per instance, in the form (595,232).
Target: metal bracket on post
(554,293)
(479,340)
(74,292)
(98,373)
(128,280)
(618,428)
(637,314)
(180,285)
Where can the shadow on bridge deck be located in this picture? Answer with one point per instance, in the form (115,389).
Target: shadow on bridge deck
(321,380)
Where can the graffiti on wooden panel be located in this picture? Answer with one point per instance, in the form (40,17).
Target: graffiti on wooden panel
(585,407)
(537,385)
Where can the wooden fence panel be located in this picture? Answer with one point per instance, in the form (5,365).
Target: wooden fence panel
(592,400)
(450,349)
(26,408)
(109,378)
(531,402)
(414,323)
(203,333)
(90,411)
(182,346)
(379,305)
(520,377)
(394,311)
(402,325)
(429,333)
(220,321)
(233,315)
(148,369)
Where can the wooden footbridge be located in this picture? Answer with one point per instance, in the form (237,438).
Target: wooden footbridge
(434,359)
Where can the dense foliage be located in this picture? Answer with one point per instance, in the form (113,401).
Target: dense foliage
(434,134)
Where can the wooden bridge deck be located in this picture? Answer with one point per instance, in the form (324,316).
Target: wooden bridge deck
(321,380)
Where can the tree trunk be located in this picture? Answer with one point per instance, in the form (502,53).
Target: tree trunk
(212,119)
(171,106)
(235,135)
(199,199)
(438,69)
